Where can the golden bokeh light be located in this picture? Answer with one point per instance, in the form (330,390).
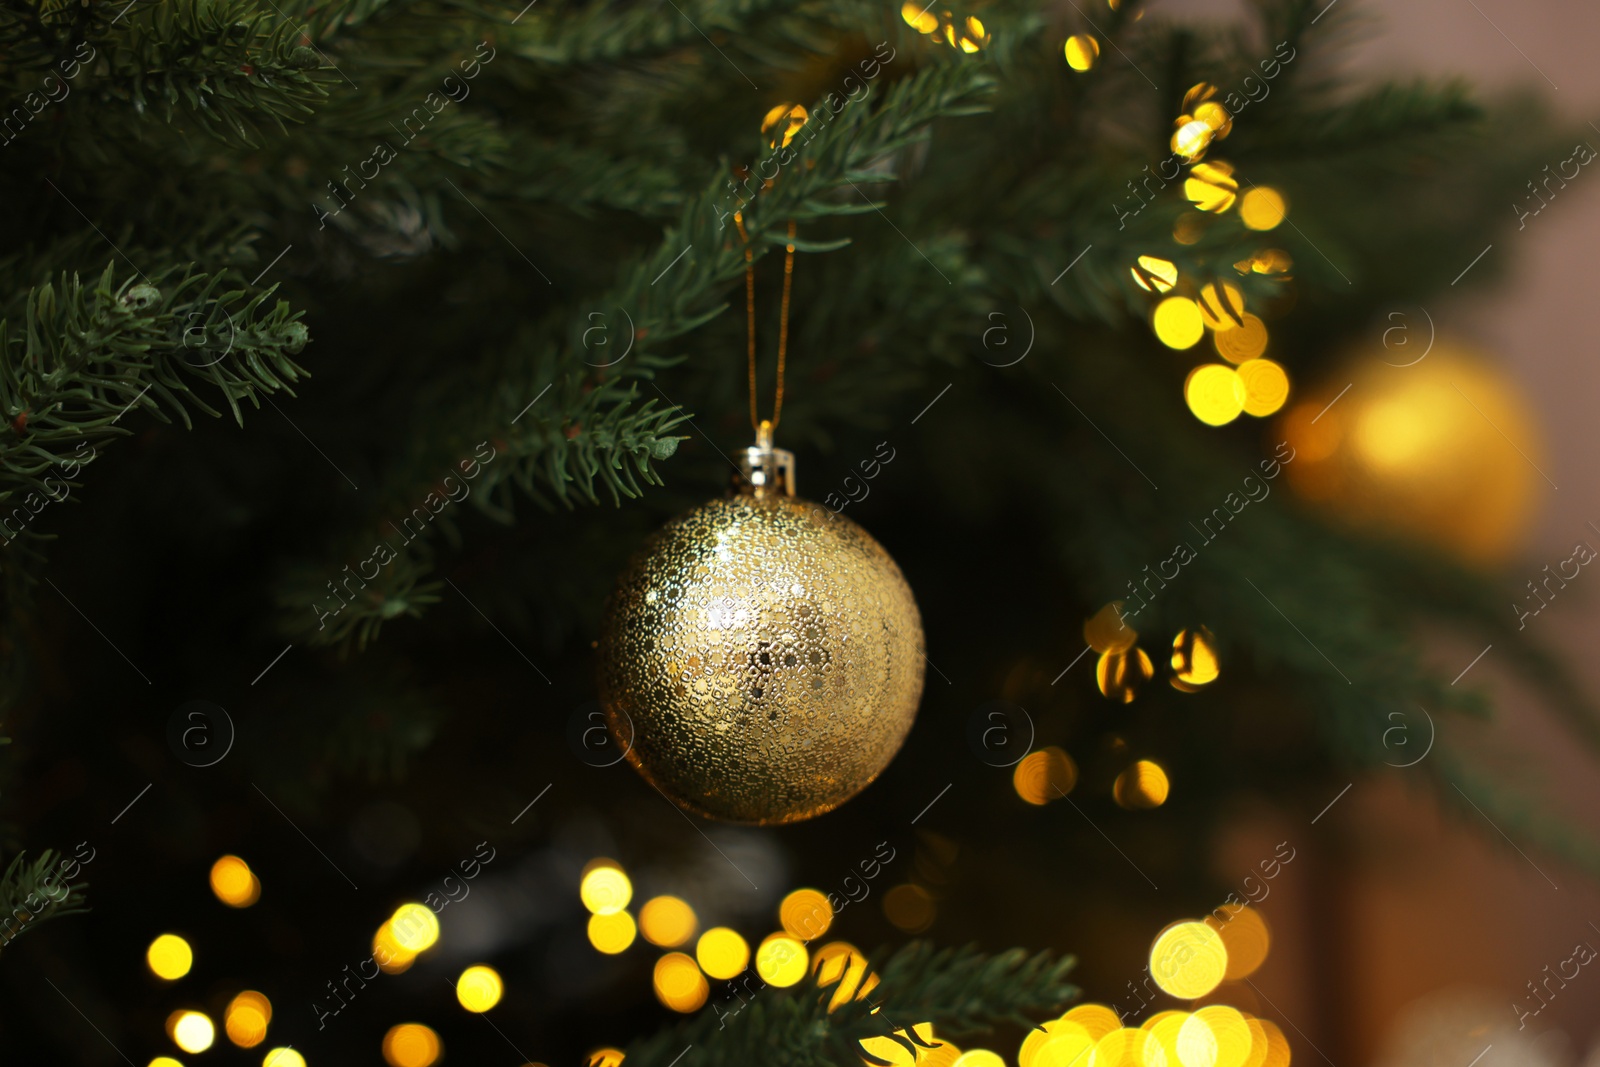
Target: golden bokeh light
(1155,274)
(1164,1028)
(1260,1045)
(479,988)
(722,952)
(1196,94)
(781,960)
(1177,322)
(246,1017)
(1189,227)
(1194,659)
(234,883)
(1244,342)
(1107,631)
(390,955)
(604,1057)
(283,1057)
(910,908)
(1262,208)
(1188,960)
(1221,307)
(805,914)
(1211,186)
(410,1045)
(605,890)
(1214,1036)
(667,921)
(918,17)
(679,984)
(1120,674)
(1192,139)
(1246,937)
(1042,776)
(1266,386)
(979,1057)
(782,123)
(192,1031)
(1271,261)
(1082,51)
(887,1048)
(165,1061)
(839,966)
(1278,1054)
(1097,1020)
(1216,116)
(1056,1044)
(1125,1047)
(612,933)
(1214,393)
(414,927)
(976,36)
(1143,785)
(169,957)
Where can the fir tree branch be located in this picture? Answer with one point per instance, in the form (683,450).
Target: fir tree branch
(961,991)
(34,892)
(228,65)
(591,433)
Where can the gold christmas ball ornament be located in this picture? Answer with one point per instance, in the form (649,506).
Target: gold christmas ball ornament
(1441,449)
(761,657)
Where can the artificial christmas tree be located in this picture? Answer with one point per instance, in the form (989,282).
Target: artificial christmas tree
(461,279)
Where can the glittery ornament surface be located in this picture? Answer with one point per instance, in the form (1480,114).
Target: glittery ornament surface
(761,659)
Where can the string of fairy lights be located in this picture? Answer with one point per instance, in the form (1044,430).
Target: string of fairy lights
(1190,960)
(1246,382)
(412,930)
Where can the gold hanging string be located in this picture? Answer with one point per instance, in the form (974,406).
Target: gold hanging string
(750,322)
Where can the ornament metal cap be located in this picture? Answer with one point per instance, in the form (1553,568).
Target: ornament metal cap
(764,470)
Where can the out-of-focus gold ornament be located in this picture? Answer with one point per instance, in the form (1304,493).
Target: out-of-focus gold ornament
(1441,449)
(1120,674)
(761,658)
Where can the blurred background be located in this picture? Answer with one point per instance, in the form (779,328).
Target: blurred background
(1421,912)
